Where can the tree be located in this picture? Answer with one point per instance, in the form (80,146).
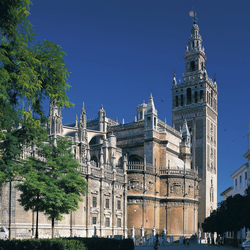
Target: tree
(246,207)
(229,216)
(30,73)
(52,184)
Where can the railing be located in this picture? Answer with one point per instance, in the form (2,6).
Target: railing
(134,165)
(127,125)
(96,172)
(108,175)
(119,177)
(178,172)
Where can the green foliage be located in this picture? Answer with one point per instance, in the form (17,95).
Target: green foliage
(232,214)
(104,243)
(41,244)
(51,182)
(30,73)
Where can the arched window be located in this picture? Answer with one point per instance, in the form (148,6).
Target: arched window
(176,101)
(192,65)
(135,158)
(189,97)
(182,101)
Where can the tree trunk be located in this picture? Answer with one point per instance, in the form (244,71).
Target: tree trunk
(37,218)
(53,226)
(71,229)
(10,211)
(235,239)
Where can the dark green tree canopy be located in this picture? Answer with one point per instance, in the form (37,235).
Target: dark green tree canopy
(232,214)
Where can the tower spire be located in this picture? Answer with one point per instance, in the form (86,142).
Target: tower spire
(83,116)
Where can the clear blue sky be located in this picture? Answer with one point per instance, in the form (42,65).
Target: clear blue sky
(118,51)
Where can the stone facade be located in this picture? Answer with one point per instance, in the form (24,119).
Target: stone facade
(139,175)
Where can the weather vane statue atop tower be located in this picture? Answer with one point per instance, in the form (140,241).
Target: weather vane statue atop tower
(194,15)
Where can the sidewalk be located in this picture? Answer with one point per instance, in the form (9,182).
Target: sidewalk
(193,246)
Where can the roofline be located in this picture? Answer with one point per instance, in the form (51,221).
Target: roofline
(226,191)
(245,166)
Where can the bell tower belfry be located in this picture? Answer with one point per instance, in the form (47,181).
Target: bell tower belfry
(195,101)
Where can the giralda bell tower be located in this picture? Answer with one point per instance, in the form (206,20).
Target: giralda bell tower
(195,100)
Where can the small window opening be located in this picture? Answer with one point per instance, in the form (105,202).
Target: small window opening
(189,96)
(176,101)
(182,102)
(195,97)
(192,65)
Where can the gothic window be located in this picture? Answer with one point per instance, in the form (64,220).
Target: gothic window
(94,202)
(176,101)
(93,141)
(182,101)
(107,222)
(107,203)
(195,97)
(201,96)
(119,205)
(192,65)
(119,222)
(154,122)
(135,158)
(189,98)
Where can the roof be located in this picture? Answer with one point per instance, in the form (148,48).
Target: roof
(226,191)
(239,170)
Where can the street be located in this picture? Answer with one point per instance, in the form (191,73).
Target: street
(193,246)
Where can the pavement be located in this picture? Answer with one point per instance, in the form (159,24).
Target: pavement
(193,246)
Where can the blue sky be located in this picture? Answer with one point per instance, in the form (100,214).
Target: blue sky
(118,51)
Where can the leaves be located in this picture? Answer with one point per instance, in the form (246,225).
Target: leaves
(52,176)
(30,74)
(232,214)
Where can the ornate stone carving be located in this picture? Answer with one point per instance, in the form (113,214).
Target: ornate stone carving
(135,184)
(176,188)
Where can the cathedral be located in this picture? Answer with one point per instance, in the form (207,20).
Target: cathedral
(145,177)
